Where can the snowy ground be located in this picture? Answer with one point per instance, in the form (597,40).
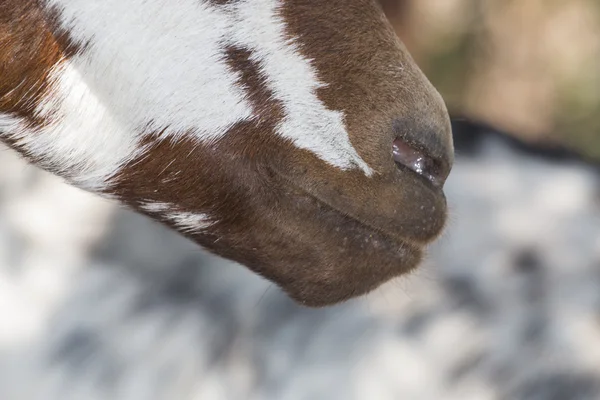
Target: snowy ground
(99,303)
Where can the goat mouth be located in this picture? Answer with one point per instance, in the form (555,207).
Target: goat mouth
(348,224)
(321,253)
(322,204)
(373,235)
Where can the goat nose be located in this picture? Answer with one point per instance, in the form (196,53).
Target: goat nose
(424,149)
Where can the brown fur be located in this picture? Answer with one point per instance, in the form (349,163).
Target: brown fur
(30,46)
(322,234)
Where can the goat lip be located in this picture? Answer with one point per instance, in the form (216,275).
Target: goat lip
(395,238)
(415,245)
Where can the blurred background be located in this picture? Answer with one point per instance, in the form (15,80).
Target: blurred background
(99,303)
(527,67)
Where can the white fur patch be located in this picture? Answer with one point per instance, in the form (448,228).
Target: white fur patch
(151,65)
(188,222)
(156,207)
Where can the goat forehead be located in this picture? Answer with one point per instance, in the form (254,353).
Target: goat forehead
(161,66)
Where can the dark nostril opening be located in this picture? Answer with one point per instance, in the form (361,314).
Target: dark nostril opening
(424,148)
(419,162)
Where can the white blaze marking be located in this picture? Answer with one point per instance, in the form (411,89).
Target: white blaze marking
(160,64)
(293,80)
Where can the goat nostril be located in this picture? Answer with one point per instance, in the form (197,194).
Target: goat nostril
(417,161)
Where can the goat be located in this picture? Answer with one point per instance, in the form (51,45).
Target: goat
(296,137)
